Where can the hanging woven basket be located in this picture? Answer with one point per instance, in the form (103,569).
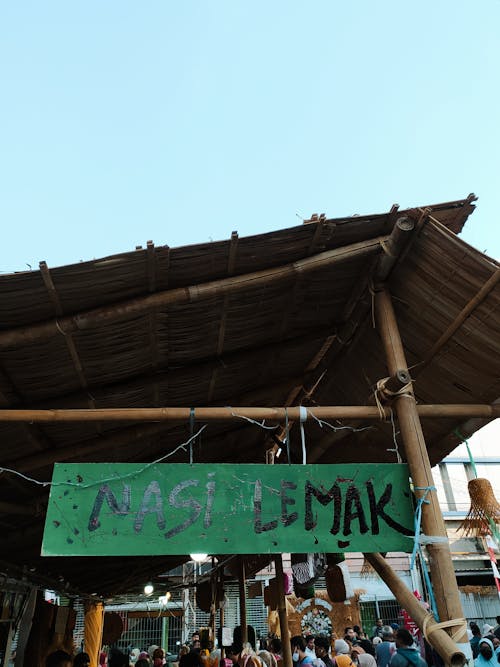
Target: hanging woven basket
(483,510)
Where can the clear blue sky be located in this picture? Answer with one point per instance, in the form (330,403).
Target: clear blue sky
(182,121)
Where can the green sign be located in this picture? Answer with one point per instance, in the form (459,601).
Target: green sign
(105,509)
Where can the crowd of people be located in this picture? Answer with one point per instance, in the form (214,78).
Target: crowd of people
(385,646)
(485,644)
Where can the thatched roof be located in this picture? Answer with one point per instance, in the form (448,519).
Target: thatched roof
(270,320)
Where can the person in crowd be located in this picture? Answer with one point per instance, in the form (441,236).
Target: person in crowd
(309,640)
(322,648)
(276,648)
(486,630)
(158,657)
(81,660)
(191,659)
(377,629)
(476,637)
(359,632)
(350,635)
(385,650)
(341,647)
(496,629)
(299,655)
(361,658)
(243,656)
(486,656)
(58,659)
(117,658)
(367,646)
(267,658)
(343,660)
(196,646)
(407,654)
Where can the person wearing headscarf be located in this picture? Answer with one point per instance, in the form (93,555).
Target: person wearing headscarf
(341,647)
(361,658)
(342,660)
(385,650)
(486,657)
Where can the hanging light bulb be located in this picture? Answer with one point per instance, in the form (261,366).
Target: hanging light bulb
(148,588)
(198,558)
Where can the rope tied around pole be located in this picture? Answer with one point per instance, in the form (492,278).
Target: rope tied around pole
(384,395)
(459,623)
(418,519)
(424,539)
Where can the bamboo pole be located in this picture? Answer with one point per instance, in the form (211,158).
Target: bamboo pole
(273,414)
(182,295)
(439,639)
(476,301)
(282,615)
(243,601)
(442,572)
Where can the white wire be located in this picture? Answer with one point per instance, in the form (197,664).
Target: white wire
(110,479)
(396,447)
(322,423)
(262,424)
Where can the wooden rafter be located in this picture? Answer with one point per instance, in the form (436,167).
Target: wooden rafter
(153,336)
(466,312)
(233,248)
(59,312)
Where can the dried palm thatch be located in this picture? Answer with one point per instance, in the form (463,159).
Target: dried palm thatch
(484,508)
(277,319)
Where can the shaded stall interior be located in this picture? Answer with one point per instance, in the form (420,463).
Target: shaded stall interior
(279,319)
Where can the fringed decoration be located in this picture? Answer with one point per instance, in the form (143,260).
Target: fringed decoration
(483,510)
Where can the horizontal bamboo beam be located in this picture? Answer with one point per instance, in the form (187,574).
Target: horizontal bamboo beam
(182,295)
(204,414)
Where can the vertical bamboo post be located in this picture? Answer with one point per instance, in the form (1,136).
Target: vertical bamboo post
(441,566)
(221,625)
(285,632)
(243,602)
